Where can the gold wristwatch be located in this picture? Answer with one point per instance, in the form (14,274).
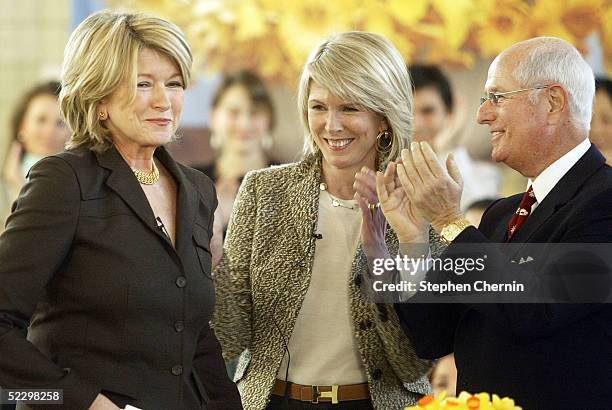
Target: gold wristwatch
(451,230)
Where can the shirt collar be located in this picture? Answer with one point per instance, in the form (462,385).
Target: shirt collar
(546,181)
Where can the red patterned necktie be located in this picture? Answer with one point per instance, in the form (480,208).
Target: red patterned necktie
(521,214)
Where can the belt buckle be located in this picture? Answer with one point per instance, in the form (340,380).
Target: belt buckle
(333,394)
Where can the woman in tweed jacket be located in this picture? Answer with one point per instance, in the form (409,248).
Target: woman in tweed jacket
(288,285)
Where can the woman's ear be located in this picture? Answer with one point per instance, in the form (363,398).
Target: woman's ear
(384,125)
(102,111)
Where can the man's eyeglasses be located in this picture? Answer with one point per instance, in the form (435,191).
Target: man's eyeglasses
(495,97)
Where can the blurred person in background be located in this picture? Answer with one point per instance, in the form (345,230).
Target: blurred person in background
(105,263)
(241,122)
(290,298)
(601,125)
(37,131)
(435,121)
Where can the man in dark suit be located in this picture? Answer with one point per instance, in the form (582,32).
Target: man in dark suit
(546,356)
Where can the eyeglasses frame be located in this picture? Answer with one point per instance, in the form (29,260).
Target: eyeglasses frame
(493,96)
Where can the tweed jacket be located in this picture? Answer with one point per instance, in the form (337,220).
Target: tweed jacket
(263,278)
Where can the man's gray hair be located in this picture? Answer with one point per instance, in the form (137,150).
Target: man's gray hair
(552,60)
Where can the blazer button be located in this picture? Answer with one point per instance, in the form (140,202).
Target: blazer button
(177,370)
(358,279)
(376,374)
(179,326)
(181,282)
(365,324)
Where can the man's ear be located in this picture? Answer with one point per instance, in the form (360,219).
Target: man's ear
(558,101)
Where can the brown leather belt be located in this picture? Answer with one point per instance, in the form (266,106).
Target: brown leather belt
(314,394)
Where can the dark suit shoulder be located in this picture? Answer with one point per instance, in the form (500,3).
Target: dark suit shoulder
(57,173)
(600,181)
(592,200)
(89,174)
(78,157)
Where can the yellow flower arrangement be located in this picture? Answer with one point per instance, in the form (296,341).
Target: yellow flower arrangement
(571,20)
(504,25)
(605,34)
(465,401)
(275,37)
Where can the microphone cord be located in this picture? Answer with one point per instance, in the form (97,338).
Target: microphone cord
(313,238)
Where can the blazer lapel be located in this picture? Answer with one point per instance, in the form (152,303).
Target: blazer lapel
(304,200)
(124,183)
(187,201)
(565,190)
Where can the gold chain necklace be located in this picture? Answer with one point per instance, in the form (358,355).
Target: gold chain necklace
(147,178)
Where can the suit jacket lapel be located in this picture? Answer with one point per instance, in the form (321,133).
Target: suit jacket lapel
(124,183)
(565,190)
(304,200)
(186,202)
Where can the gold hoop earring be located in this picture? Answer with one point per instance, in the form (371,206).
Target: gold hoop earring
(102,115)
(384,141)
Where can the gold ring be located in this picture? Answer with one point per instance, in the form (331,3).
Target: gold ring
(373,207)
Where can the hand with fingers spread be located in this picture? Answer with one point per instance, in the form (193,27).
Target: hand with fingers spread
(401,214)
(434,190)
(374,226)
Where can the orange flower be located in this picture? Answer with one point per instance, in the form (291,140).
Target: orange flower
(465,401)
(473,402)
(425,400)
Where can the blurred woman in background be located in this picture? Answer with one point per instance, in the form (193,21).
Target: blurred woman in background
(242,121)
(37,131)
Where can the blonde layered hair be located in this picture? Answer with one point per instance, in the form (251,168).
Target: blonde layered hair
(102,54)
(366,69)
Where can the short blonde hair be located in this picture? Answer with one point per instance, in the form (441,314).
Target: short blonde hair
(101,54)
(368,70)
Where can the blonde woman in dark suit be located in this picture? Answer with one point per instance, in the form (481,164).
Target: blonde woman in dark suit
(288,286)
(105,259)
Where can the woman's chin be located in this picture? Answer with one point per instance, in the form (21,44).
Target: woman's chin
(339,162)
